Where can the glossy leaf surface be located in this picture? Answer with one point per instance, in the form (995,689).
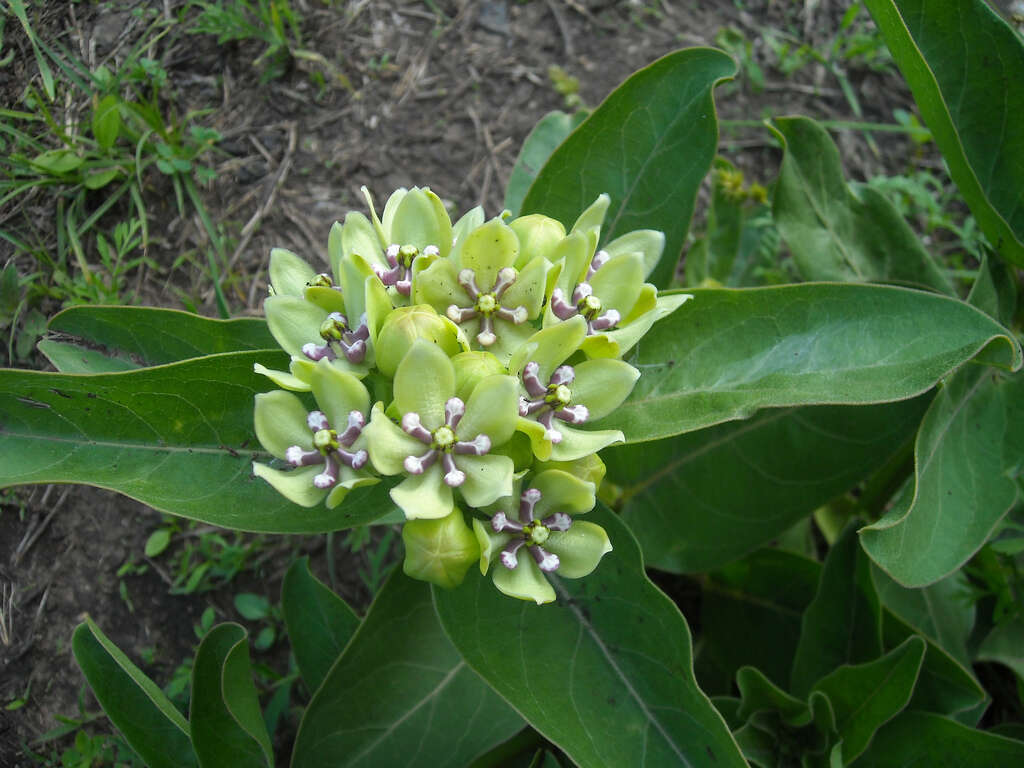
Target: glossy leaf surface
(834,232)
(177,437)
(967,454)
(227,725)
(727,353)
(683,500)
(400,694)
(648,145)
(965,67)
(605,673)
(320,623)
(135,704)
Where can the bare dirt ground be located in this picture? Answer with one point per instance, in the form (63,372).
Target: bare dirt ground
(439,94)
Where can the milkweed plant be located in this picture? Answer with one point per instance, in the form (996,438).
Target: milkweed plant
(810,426)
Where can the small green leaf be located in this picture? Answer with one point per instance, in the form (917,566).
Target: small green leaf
(401,695)
(613,651)
(100,179)
(921,738)
(133,702)
(550,131)
(836,233)
(73,358)
(227,725)
(58,161)
(252,607)
(158,541)
(320,623)
(727,353)
(106,120)
(648,145)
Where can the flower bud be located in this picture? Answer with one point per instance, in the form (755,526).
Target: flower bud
(439,551)
(471,368)
(406,324)
(538,235)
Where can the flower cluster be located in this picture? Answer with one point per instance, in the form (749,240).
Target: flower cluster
(489,348)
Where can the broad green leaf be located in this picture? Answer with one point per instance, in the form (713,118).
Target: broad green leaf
(943,612)
(925,739)
(152,336)
(176,437)
(605,673)
(967,454)
(400,694)
(136,706)
(762,595)
(684,503)
(550,131)
(227,725)
(843,624)
(648,146)
(838,233)
(796,727)
(865,696)
(106,120)
(320,623)
(727,353)
(74,358)
(759,694)
(965,67)
(995,290)
(1005,644)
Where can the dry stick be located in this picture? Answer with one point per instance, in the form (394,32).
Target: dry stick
(282,173)
(31,537)
(570,51)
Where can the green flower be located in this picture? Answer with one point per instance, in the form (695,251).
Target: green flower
(326,447)
(556,398)
(439,551)
(543,526)
(486,289)
(606,288)
(404,325)
(443,443)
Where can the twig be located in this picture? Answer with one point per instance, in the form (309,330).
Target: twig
(31,537)
(563,28)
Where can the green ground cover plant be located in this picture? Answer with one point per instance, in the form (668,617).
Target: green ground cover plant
(548,406)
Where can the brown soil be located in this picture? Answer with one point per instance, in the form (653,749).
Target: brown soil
(439,93)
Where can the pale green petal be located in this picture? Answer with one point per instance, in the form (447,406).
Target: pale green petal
(646,301)
(289,273)
(486,250)
(424,381)
(439,551)
(387,444)
(280,421)
(574,254)
(509,338)
(648,242)
(301,368)
(424,497)
(579,549)
(593,217)
(420,219)
(488,478)
(296,485)
(618,282)
(602,385)
(359,238)
(438,286)
(537,434)
(562,492)
(549,347)
(528,289)
(378,305)
(577,443)
(619,341)
(471,368)
(328,299)
(283,379)
(470,220)
(492,409)
(538,235)
(293,321)
(349,481)
(489,542)
(526,582)
(589,468)
(338,393)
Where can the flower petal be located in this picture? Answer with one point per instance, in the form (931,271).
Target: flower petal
(338,393)
(487,249)
(619,281)
(349,481)
(358,238)
(602,385)
(593,217)
(528,289)
(424,497)
(618,341)
(289,273)
(526,582)
(280,421)
(293,321)
(296,485)
(579,549)
(328,299)
(488,478)
(424,381)
(470,220)
(492,409)
(420,219)
(283,379)
(490,543)
(439,551)
(549,347)
(574,254)
(387,444)
(648,242)
(538,437)
(590,468)
(562,492)
(438,286)
(577,443)
(510,338)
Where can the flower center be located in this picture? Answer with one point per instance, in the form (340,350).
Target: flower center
(322,280)
(486,303)
(590,306)
(444,438)
(558,396)
(536,533)
(406,254)
(325,441)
